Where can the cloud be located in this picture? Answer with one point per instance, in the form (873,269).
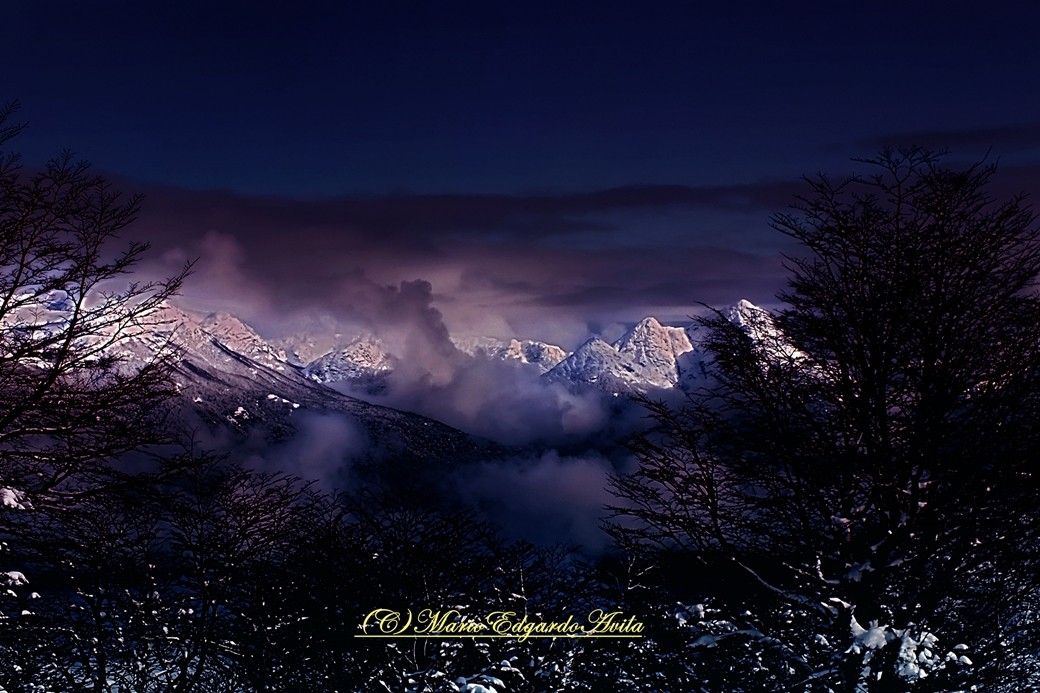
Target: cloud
(322,448)
(507,402)
(547,499)
(1001,138)
(535,266)
(417,216)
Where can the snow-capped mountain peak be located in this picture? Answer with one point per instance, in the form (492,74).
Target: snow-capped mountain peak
(540,354)
(213,337)
(655,348)
(597,363)
(655,356)
(543,355)
(747,315)
(644,358)
(647,357)
(761,327)
(364,361)
(243,339)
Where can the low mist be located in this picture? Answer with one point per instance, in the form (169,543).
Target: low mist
(545,499)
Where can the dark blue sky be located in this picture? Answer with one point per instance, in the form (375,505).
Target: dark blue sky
(447,138)
(334,98)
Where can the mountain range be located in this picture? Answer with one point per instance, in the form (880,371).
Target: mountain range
(243,394)
(254,396)
(649,356)
(220,348)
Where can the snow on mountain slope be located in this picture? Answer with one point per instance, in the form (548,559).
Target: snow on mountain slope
(646,357)
(656,350)
(543,356)
(540,354)
(654,356)
(241,338)
(223,353)
(364,362)
(248,400)
(755,320)
(218,342)
(760,325)
(600,364)
(310,337)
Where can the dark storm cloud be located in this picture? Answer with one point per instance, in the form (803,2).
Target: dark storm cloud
(418,216)
(496,263)
(684,276)
(1002,138)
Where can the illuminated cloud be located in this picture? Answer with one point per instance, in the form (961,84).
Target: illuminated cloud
(538,266)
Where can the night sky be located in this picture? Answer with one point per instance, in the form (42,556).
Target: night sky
(543,170)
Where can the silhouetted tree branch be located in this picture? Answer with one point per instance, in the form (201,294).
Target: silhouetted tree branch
(864,455)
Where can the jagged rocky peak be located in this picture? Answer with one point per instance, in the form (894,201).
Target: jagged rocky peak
(544,356)
(600,364)
(758,322)
(168,317)
(227,326)
(646,357)
(241,338)
(364,358)
(761,326)
(746,314)
(189,326)
(590,358)
(367,350)
(486,347)
(208,337)
(168,322)
(654,345)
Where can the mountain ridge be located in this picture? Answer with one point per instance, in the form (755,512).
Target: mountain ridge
(248,406)
(649,356)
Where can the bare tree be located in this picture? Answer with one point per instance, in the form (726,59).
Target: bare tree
(861,469)
(68,405)
(71,404)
